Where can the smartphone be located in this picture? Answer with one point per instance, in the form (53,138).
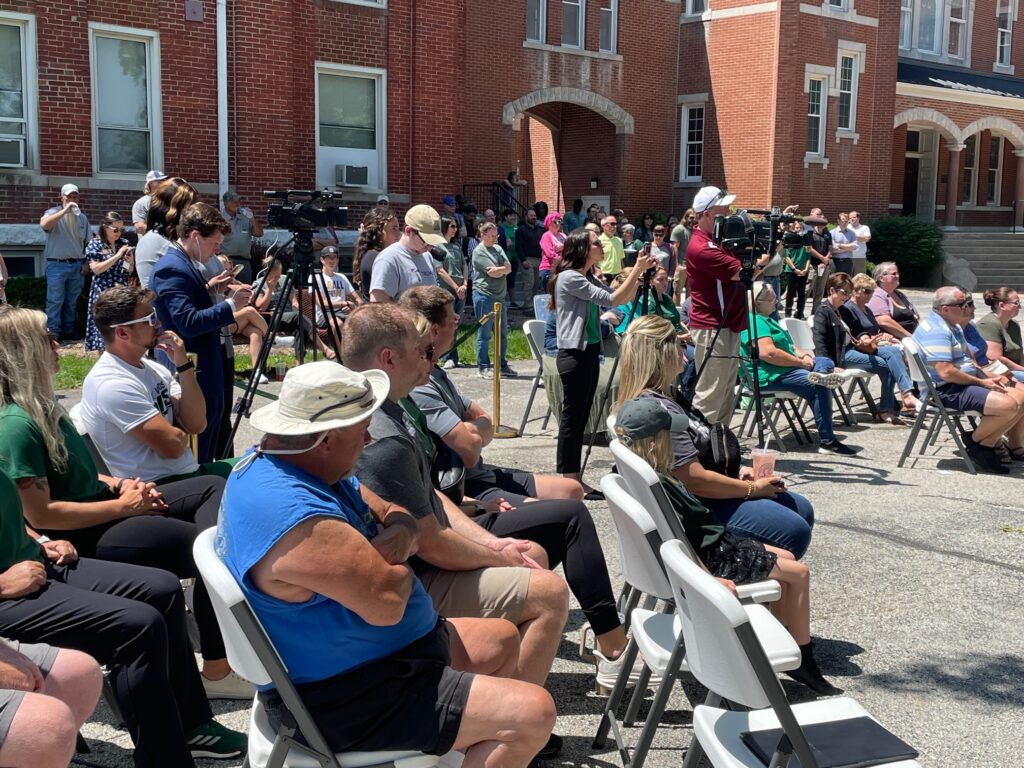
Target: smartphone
(647,249)
(237,269)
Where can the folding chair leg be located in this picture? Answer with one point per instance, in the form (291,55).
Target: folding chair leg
(615,699)
(915,430)
(954,429)
(789,420)
(547,417)
(867,396)
(629,720)
(845,409)
(653,720)
(529,402)
(802,423)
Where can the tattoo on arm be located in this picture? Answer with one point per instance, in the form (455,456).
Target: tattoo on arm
(39,483)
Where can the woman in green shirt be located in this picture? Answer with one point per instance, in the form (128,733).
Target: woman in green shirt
(490,286)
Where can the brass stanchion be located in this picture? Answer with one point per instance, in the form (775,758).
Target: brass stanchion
(193,440)
(500,431)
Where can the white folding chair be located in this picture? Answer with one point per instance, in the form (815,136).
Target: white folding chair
(253,656)
(656,634)
(725,654)
(932,411)
(534,331)
(540,307)
(75,412)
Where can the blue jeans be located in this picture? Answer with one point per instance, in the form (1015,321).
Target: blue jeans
(785,521)
(511,280)
(881,364)
(820,398)
(481,306)
(776,284)
(453,353)
(64,283)
(543,276)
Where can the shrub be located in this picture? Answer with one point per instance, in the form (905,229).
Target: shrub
(27,291)
(914,244)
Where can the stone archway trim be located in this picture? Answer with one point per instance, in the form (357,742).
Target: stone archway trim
(948,128)
(616,115)
(999,126)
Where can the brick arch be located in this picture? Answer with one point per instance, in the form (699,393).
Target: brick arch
(616,115)
(932,117)
(999,126)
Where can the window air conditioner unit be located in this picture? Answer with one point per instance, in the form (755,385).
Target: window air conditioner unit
(351,175)
(12,153)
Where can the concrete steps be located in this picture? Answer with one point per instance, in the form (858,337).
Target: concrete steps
(997,258)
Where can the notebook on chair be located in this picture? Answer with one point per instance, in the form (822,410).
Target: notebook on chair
(855,743)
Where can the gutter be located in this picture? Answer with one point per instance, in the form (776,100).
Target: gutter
(222,99)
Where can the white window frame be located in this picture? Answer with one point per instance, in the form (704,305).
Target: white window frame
(380,77)
(613,26)
(696,7)
(1004,37)
(542,22)
(969,172)
(910,44)
(821,80)
(961,30)
(839,5)
(29,67)
(858,53)
(906,24)
(581,26)
(686,108)
(850,92)
(367,3)
(154,106)
(996,182)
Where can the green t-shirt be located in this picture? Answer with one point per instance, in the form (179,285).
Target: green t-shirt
(702,530)
(483,259)
(509,230)
(798,256)
(23,454)
(765,327)
(1009,337)
(593,327)
(16,545)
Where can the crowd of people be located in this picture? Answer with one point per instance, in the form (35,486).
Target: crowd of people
(398,572)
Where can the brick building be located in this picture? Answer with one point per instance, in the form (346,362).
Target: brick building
(883,105)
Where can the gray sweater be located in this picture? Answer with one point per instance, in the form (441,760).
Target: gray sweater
(574,294)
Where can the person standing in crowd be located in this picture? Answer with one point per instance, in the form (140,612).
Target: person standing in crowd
(237,244)
(593,215)
(452,276)
(663,252)
(718,301)
(112,262)
(630,246)
(797,268)
(185,307)
(166,205)
(407,262)
(67,231)
(844,241)
(679,235)
(819,248)
(576,297)
(575,218)
(644,231)
(614,253)
(379,230)
(490,265)
(507,240)
(551,244)
(449,208)
(862,235)
(140,208)
(528,239)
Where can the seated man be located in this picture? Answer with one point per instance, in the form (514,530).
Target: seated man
(466,570)
(138,415)
(963,387)
(324,567)
(463,425)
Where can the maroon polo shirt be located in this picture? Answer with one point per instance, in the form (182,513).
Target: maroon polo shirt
(709,273)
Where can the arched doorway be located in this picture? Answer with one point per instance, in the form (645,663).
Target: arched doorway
(923,132)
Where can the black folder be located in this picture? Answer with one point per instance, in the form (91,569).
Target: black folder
(855,743)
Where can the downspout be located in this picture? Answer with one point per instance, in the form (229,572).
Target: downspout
(222,99)
(412,102)
(677,121)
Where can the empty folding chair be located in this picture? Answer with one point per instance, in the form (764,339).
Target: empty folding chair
(725,653)
(656,635)
(932,412)
(253,656)
(534,331)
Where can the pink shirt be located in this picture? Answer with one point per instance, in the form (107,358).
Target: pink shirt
(551,250)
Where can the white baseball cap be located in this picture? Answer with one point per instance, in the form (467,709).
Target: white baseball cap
(155,175)
(68,189)
(321,396)
(709,197)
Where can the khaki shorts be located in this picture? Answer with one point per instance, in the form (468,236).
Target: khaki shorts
(487,593)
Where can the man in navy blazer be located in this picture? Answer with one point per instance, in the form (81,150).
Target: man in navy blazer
(184,305)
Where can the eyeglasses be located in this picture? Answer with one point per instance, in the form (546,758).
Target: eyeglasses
(427,353)
(865,290)
(659,233)
(842,291)
(114,228)
(151,319)
(961,304)
(1012,303)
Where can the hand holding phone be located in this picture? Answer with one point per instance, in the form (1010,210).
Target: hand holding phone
(237,270)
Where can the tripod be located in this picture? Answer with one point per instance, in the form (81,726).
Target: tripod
(301,272)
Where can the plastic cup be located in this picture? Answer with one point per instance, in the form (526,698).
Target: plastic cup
(764,462)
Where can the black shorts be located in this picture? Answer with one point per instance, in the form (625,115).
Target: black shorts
(410,700)
(963,397)
(487,481)
(742,560)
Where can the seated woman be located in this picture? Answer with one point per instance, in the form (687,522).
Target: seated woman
(109,518)
(1001,331)
(649,430)
(844,331)
(781,369)
(893,309)
(251,326)
(759,509)
(659,302)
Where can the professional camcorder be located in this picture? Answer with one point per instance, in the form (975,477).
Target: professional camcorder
(751,233)
(319,209)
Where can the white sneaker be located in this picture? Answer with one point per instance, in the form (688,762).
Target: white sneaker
(284,341)
(449,364)
(484,373)
(827,380)
(231,686)
(608,672)
(264,379)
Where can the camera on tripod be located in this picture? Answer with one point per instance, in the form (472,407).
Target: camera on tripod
(749,234)
(320,209)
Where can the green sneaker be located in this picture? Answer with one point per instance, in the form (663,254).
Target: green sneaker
(213,740)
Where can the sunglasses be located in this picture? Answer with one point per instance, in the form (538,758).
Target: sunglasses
(961,304)
(151,319)
(427,353)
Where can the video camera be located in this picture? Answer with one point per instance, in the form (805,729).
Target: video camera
(303,215)
(751,233)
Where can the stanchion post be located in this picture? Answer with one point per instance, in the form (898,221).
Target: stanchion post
(500,431)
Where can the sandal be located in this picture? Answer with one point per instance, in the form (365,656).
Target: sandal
(890,417)
(1017,454)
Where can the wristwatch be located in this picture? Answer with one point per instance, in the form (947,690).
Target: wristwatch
(187,366)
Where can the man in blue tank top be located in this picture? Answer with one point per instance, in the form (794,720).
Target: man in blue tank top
(322,560)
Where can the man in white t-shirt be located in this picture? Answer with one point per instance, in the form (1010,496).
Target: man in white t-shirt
(860,247)
(137,414)
(408,262)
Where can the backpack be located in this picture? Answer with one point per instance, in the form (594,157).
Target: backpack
(718,448)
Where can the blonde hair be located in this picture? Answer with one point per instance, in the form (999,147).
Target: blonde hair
(26,378)
(649,358)
(861,281)
(656,451)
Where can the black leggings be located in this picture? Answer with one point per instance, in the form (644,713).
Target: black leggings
(163,542)
(131,619)
(796,289)
(579,370)
(566,531)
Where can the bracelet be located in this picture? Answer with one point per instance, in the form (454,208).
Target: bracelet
(187,366)
(117,488)
(750,491)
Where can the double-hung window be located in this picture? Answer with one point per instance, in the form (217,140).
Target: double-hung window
(816,92)
(970,156)
(16,115)
(696,7)
(906,23)
(536,20)
(956,40)
(573,13)
(609,25)
(691,144)
(1004,32)
(995,170)
(929,26)
(847,92)
(125,100)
